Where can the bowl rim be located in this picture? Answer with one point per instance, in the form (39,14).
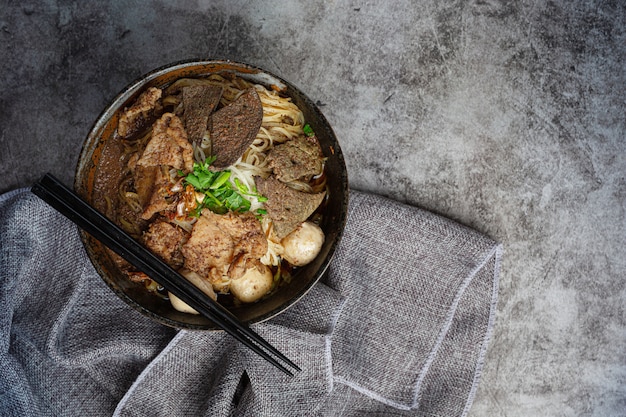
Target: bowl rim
(86,166)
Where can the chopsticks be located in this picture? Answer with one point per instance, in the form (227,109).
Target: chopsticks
(68,203)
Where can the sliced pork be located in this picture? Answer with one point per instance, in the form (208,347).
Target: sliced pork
(166,241)
(140,114)
(158,193)
(216,240)
(168,145)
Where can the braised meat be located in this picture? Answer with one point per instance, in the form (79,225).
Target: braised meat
(199,101)
(165,240)
(285,206)
(218,239)
(208,246)
(167,148)
(144,179)
(161,197)
(297,159)
(140,114)
(234,128)
(168,145)
(246,233)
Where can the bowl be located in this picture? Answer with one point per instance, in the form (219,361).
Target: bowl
(94,155)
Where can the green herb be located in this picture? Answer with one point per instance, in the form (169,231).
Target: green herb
(220,194)
(308,130)
(193,180)
(243,189)
(220,180)
(241,186)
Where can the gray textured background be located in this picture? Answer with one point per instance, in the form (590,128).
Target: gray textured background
(506,116)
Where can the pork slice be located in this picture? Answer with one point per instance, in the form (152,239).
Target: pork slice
(168,145)
(247,234)
(208,246)
(165,240)
(285,206)
(140,114)
(153,188)
(199,101)
(234,128)
(296,159)
(160,197)
(144,180)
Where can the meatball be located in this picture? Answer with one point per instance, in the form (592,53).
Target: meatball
(254,284)
(203,284)
(303,244)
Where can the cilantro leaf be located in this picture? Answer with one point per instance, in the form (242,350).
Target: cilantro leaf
(308,130)
(193,180)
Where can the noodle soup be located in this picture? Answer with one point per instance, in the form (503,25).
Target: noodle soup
(226,179)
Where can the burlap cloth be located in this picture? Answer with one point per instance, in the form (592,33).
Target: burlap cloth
(398,327)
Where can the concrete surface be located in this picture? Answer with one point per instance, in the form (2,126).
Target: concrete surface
(506,116)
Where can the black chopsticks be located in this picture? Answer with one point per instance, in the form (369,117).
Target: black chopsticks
(68,203)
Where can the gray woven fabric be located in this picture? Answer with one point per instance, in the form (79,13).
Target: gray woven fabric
(398,327)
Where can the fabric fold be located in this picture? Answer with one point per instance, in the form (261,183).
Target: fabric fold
(196,374)
(412,281)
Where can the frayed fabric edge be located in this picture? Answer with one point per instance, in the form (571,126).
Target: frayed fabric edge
(499,250)
(495,251)
(446,327)
(329,344)
(10,194)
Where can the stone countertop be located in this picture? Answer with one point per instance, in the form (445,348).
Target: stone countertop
(508,117)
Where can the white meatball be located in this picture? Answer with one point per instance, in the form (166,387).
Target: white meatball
(303,244)
(203,284)
(253,284)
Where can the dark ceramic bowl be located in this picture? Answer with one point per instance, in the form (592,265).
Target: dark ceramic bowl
(95,151)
